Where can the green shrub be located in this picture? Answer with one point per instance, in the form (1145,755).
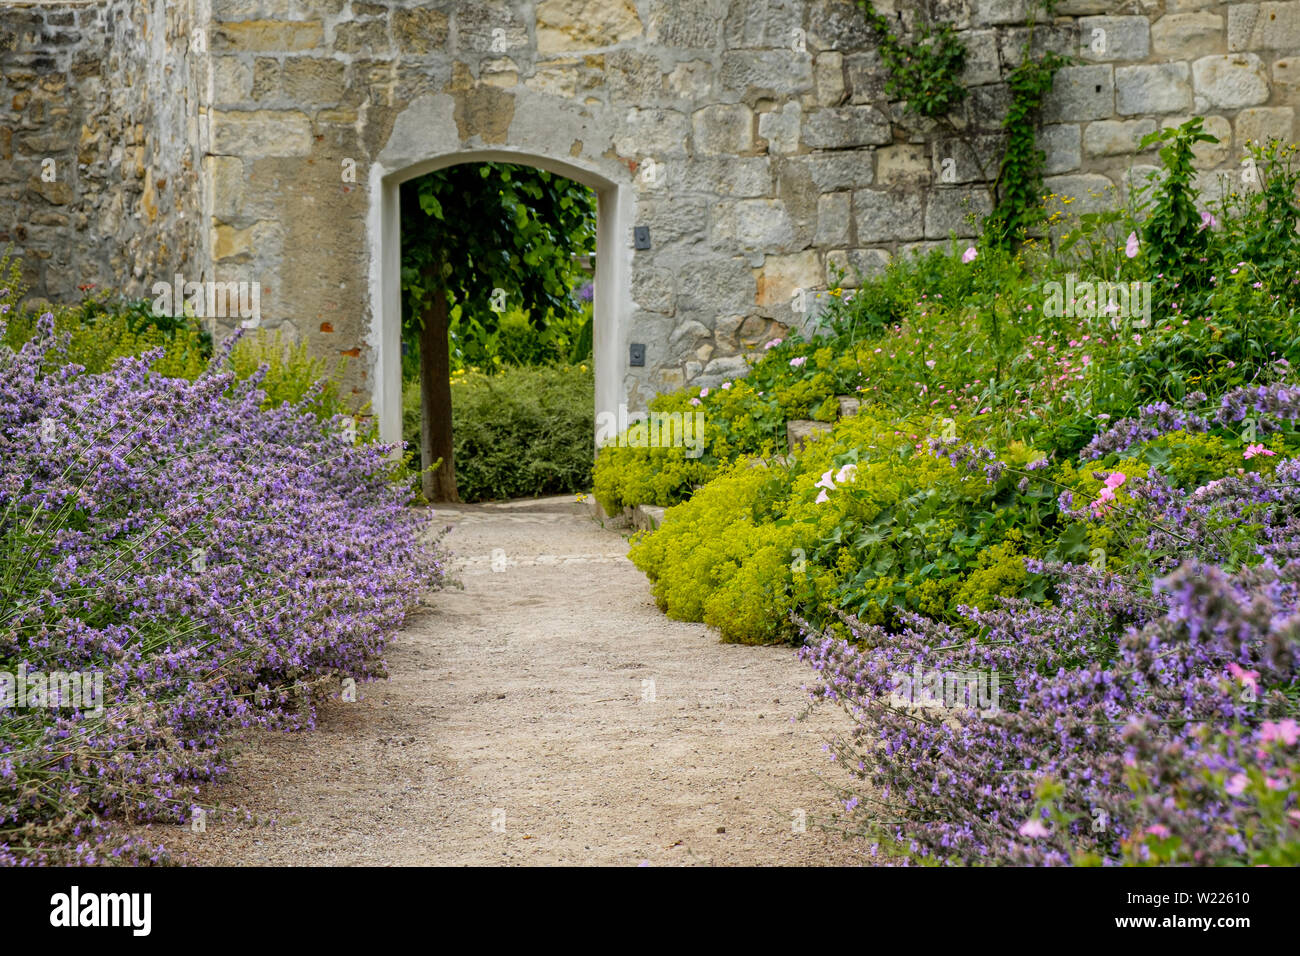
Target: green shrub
(101,330)
(292,373)
(522,432)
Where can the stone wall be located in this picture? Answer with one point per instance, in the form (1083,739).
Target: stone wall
(753,138)
(99,143)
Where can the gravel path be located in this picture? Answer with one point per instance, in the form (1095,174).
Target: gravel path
(548,713)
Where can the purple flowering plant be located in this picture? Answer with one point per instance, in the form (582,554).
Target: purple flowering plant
(217,564)
(1147,712)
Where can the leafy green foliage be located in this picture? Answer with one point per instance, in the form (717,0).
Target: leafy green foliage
(941,345)
(1174,238)
(289,373)
(925,72)
(522,432)
(101,329)
(492,237)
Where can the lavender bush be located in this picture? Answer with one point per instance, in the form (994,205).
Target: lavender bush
(1141,717)
(219,566)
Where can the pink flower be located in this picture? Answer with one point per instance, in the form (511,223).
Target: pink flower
(695,401)
(1208,221)
(1131,247)
(827,482)
(1158,830)
(1284,731)
(1034,828)
(772,344)
(726,385)
(969,255)
(1253,450)
(704,393)
(1236,784)
(1249,678)
(796,362)
(1115,479)
(822,498)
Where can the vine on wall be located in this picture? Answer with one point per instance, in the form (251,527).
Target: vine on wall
(926,74)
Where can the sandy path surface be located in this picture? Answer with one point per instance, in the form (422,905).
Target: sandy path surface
(547,714)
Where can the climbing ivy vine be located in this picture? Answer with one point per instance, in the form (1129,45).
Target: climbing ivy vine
(926,74)
(1020,175)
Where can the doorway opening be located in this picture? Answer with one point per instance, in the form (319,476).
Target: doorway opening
(498,302)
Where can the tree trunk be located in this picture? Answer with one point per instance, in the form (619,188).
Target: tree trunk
(435,404)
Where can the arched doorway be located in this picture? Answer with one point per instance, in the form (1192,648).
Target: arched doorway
(425,138)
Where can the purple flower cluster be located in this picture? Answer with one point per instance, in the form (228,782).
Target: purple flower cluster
(1142,717)
(1266,405)
(216,564)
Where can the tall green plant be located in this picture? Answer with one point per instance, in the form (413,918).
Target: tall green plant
(1174,240)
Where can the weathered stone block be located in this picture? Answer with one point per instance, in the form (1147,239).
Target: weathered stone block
(1184,36)
(751,226)
(716,285)
(766,73)
(828,79)
(484,112)
(982,63)
(1261,123)
(723,128)
(1114,38)
(746,177)
(886,216)
(867,74)
(225,177)
(369,36)
(834,219)
(1116,137)
(994,12)
(267,36)
(781,128)
(652,132)
(687,24)
(1088,193)
(800,432)
(1231,81)
(1062,147)
(673,220)
(779,277)
(232,80)
(969,159)
(259,133)
(1080,93)
(764,23)
(958,211)
(1159,88)
(846,126)
(903,164)
(314,80)
(845,267)
(836,25)
(1264,26)
(654,290)
(564,25)
(831,172)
